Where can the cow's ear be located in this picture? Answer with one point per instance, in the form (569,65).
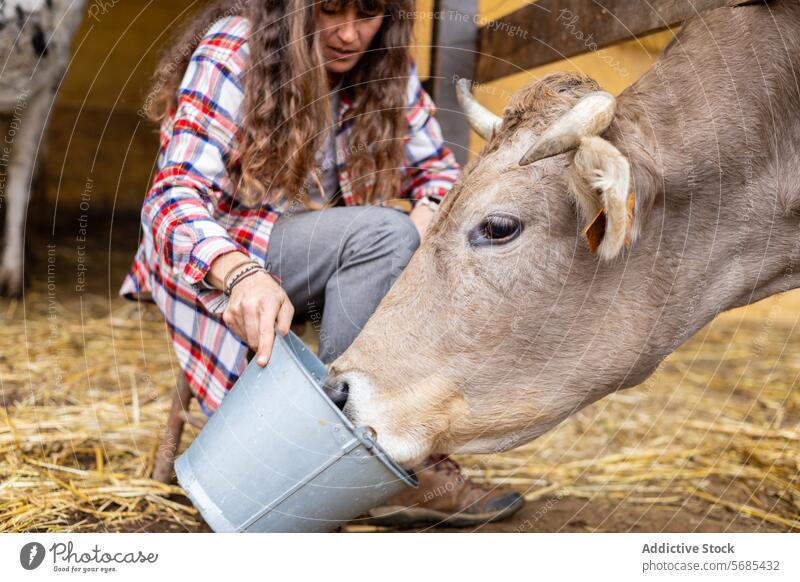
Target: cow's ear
(599,178)
(596,229)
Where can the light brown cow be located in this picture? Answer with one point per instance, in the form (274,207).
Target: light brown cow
(505,322)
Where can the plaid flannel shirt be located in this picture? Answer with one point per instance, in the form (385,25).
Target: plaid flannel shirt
(191,216)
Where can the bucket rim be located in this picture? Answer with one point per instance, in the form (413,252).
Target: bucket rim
(361,433)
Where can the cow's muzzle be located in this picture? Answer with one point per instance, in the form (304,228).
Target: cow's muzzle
(337,389)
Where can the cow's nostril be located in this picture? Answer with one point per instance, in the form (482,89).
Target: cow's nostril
(337,390)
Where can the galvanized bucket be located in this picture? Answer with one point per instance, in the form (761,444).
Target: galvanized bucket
(279,456)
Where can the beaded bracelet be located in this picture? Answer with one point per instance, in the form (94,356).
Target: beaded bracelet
(233,269)
(245,276)
(241,274)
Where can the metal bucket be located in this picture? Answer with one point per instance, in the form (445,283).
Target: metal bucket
(279,456)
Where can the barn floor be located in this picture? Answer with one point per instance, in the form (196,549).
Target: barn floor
(710,444)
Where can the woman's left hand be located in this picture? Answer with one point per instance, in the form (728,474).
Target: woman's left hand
(421,216)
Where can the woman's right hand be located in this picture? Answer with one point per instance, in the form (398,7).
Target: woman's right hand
(256,305)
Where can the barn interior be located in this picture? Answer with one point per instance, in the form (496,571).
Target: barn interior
(710,443)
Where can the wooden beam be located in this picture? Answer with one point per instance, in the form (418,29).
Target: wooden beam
(551,30)
(431,84)
(455,37)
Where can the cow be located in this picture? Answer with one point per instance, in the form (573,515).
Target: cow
(35,36)
(588,240)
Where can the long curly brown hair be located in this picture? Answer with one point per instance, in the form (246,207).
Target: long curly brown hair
(286,112)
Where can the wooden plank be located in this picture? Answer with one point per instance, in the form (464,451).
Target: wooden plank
(431,84)
(115,51)
(453,57)
(551,30)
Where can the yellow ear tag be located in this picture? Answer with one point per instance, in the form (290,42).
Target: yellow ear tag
(629,224)
(596,229)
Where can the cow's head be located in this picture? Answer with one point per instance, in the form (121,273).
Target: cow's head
(511,315)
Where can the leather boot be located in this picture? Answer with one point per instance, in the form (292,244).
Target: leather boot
(445,497)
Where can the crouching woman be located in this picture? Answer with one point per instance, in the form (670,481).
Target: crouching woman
(285,126)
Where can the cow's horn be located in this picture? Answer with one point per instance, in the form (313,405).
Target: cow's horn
(591,115)
(483,121)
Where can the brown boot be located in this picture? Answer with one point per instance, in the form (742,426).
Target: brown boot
(445,497)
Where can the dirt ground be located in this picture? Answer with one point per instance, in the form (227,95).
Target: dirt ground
(723,480)
(568,515)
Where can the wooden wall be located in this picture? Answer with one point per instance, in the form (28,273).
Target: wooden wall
(95,133)
(615,67)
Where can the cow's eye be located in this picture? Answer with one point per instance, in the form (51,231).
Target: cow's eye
(495,229)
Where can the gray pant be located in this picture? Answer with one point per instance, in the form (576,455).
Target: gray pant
(336,265)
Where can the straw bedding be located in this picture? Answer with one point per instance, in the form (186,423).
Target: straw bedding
(86,384)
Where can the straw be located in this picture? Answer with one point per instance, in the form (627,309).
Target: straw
(86,386)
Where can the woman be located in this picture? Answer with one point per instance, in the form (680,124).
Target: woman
(284,125)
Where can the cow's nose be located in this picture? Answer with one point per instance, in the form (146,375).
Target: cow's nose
(337,390)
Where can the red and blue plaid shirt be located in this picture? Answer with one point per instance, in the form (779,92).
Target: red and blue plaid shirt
(191,216)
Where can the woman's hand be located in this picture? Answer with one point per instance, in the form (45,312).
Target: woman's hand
(421,216)
(256,305)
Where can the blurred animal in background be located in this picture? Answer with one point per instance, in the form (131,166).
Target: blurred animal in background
(35,37)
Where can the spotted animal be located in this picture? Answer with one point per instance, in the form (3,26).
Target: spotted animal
(35,38)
